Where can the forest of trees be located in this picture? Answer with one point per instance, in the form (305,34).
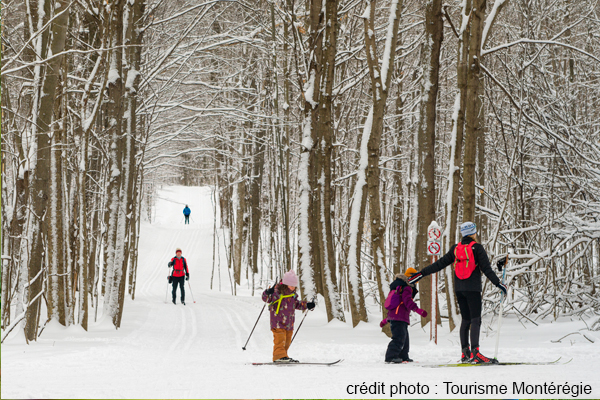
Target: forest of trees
(332,131)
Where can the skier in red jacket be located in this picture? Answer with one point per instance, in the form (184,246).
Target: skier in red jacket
(180,270)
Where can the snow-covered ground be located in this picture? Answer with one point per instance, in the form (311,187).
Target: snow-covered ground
(195,351)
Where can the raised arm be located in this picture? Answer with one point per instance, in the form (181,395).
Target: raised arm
(440,264)
(270,295)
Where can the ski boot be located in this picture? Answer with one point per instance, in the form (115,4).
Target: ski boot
(174,302)
(398,361)
(479,358)
(286,360)
(407,359)
(466,356)
(183,302)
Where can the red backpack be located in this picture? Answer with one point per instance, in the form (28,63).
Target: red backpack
(464,260)
(180,271)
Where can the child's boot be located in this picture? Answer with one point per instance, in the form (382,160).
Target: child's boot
(466,355)
(286,360)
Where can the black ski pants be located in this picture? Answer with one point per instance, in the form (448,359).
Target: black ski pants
(470,311)
(187,219)
(178,280)
(400,344)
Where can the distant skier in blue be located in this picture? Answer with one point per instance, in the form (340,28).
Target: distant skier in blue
(186,213)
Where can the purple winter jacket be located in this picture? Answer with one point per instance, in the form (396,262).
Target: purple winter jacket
(402,312)
(284,318)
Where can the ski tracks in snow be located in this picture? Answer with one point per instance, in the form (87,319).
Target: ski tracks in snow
(217,323)
(175,351)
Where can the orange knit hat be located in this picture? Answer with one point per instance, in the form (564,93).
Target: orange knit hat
(410,271)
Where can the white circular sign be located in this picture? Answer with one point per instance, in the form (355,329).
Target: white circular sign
(434,233)
(433,248)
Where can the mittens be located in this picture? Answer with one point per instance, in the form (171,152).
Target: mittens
(310,305)
(422,312)
(415,277)
(504,289)
(501,263)
(383,322)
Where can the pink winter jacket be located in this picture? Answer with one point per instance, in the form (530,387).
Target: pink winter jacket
(402,312)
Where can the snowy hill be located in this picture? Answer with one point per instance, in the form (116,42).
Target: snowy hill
(168,351)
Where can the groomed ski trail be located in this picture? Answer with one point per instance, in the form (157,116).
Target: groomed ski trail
(195,351)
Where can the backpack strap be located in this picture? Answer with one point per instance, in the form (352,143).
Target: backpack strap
(183,262)
(278,301)
(399,291)
(469,247)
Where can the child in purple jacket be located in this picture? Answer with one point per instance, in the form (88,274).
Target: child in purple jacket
(284,302)
(399,318)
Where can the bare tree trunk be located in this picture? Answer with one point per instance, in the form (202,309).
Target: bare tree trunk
(381,78)
(456,143)
(82,234)
(310,263)
(137,10)
(13,202)
(9,217)
(474,118)
(258,155)
(241,219)
(114,115)
(357,219)
(56,255)
(327,252)
(40,194)
(398,202)
(284,149)
(481,218)
(430,59)
(132,13)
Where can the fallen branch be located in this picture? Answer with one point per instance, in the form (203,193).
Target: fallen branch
(573,333)
(14,324)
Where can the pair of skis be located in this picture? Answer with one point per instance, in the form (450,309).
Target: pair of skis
(555,362)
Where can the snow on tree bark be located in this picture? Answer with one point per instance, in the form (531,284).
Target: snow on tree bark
(430,62)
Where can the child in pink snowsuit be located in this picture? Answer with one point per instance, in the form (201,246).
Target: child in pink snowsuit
(399,317)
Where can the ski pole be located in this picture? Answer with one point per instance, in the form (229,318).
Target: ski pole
(256,323)
(167,293)
(192,293)
(301,322)
(501,307)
